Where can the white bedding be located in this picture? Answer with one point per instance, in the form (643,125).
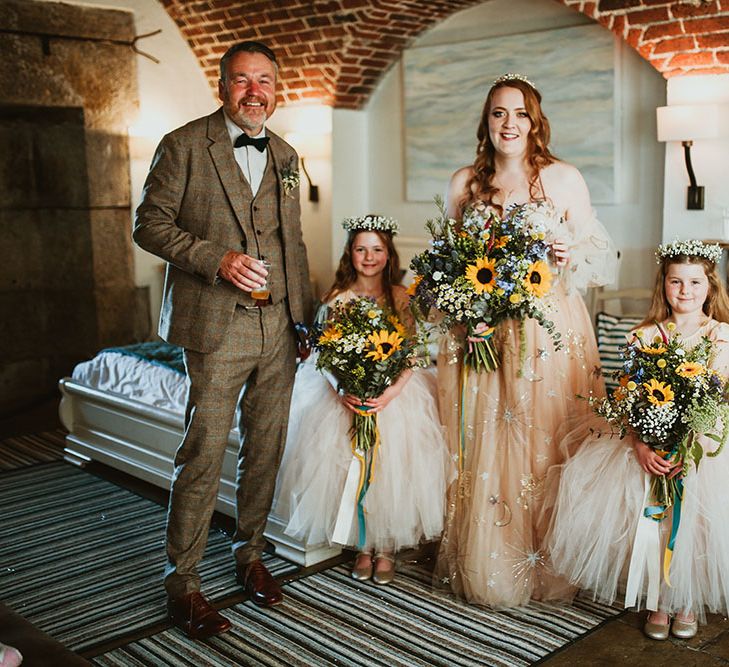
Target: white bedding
(134,378)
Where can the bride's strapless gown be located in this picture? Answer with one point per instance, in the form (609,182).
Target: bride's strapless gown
(492,550)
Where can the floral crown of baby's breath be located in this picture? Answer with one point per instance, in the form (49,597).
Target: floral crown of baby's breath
(690,248)
(510,76)
(370,223)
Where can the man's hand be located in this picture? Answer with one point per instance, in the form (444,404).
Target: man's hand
(243,271)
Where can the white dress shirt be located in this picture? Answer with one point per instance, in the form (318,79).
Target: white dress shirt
(250,160)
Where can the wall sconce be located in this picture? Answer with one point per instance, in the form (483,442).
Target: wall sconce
(685,123)
(310,146)
(313,189)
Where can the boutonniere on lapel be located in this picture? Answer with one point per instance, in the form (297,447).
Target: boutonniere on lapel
(289,178)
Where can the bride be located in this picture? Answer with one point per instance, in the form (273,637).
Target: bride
(492,548)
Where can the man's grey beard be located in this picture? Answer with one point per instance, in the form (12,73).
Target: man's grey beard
(240,119)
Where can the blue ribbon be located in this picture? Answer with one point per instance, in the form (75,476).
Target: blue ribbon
(362,532)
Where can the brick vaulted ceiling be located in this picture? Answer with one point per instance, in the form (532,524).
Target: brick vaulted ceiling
(335,52)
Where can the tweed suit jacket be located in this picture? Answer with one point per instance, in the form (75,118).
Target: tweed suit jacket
(191,215)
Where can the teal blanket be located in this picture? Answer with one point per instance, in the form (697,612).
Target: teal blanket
(155,352)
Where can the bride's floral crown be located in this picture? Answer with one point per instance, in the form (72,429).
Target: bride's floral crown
(369,223)
(510,76)
(690,248)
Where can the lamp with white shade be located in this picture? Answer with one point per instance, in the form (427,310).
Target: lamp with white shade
(686,123)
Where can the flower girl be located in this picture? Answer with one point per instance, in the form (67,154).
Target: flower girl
(654,520)
(404,502)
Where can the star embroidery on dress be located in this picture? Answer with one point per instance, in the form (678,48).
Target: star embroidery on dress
(534,558)
(551,393)
(445,580)
(484,476)
(494,555)
(542,353)
(491,582)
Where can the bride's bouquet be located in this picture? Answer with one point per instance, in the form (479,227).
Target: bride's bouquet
(484,270)
(365,348)
(668,396)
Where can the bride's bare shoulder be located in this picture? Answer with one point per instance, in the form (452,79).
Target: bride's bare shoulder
(459,180)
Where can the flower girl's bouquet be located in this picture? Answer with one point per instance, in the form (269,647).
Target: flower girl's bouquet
(365,348)
(484,270)
(668,396)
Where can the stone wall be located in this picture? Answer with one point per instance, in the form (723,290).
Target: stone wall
(66,280)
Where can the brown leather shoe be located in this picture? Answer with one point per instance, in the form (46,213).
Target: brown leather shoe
(196,617)
(259,584)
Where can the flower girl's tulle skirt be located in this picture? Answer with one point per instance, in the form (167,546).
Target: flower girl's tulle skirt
(405,502)
(599,501)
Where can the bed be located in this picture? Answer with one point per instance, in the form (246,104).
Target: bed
(125,408)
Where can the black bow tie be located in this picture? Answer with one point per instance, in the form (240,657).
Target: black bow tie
(259,143)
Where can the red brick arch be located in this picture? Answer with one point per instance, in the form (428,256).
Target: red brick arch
(336,51)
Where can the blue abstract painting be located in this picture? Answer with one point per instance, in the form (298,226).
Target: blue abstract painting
(445,87)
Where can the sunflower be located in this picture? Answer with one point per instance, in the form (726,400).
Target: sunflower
(690,369)
(329,335)
(413,286)
(482,275)
(538,280)
(659,393)
(393,319)
(384,344)
(653,350)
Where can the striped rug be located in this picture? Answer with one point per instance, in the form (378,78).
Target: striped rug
(330,619)
(82,558)
(25,450)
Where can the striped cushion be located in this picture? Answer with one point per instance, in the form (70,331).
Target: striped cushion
(612,332)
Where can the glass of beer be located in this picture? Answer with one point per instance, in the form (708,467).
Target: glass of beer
(262,293)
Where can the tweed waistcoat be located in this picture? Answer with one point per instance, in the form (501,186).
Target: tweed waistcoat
(260,222)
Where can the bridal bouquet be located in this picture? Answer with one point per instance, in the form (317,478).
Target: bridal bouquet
(484,270)
(365,348)
(668,396)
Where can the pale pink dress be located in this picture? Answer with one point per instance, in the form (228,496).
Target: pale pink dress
(492,550)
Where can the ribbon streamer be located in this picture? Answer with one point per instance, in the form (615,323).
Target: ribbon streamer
(462,429)
(360,477)
(646,555)
(668,555)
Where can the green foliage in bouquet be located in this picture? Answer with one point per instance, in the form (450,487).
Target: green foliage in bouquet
(668,396)
(484,270)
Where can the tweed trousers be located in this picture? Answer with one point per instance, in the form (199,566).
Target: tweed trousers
(259,350)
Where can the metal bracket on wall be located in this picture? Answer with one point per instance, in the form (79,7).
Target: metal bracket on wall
(46,38)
